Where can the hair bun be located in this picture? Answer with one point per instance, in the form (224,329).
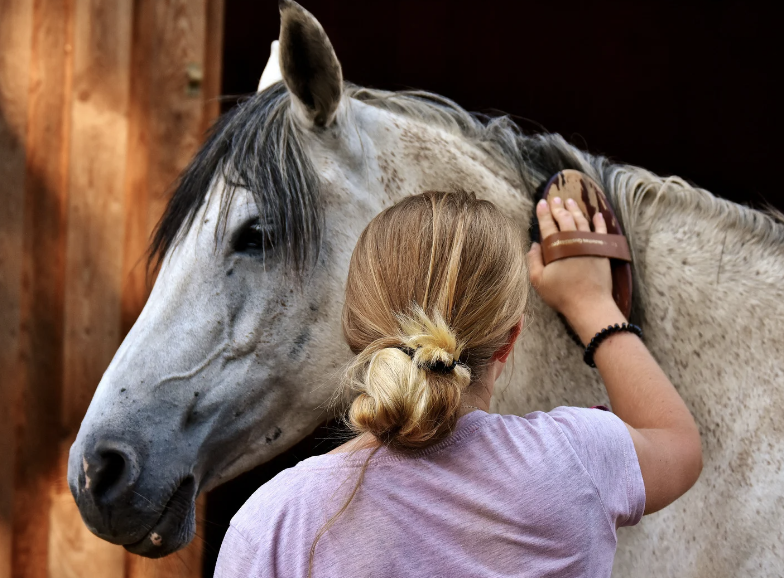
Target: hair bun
(407,409)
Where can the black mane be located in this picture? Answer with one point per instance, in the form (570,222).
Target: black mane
(257,146)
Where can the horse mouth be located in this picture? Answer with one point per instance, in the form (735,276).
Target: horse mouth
(175,527)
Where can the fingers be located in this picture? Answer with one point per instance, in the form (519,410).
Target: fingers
(577,214)
(556,216)
(599,224)
(547,225)
(561,215)
(535,263)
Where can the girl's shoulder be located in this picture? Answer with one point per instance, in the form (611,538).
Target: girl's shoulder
(287,493)
(573,433)
(563,420)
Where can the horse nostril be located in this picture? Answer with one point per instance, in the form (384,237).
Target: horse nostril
(109,471)
(108,474)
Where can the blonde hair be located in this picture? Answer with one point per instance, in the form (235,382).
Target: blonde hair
(436,288)
(436,285)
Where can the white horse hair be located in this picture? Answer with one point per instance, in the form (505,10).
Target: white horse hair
(272,73)
(238,348)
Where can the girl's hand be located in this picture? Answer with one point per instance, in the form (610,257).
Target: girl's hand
(577,285)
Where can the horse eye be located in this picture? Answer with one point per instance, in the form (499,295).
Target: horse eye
(254,238)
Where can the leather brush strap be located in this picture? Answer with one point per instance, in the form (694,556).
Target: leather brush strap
(566,244)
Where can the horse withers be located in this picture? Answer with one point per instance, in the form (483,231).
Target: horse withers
(238,349)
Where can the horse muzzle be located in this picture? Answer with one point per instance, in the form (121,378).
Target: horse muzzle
(106,480)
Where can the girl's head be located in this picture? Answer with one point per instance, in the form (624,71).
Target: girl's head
(436,290)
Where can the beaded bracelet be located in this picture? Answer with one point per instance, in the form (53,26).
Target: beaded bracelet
(604,334)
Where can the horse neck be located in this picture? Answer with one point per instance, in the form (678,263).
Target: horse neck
(412,155)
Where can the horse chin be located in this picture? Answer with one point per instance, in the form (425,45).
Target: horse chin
(175,527)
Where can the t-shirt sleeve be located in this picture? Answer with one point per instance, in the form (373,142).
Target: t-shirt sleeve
(237,557)
(604,446)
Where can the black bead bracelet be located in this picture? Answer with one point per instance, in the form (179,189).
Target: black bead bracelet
(604,334)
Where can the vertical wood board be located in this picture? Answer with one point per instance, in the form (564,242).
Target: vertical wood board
(99,135)
(98,142)
(41,302)
(135,287)
(102,104)
(15,44)
(213,62)
(176,112)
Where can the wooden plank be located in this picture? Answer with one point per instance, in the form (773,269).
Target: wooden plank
(135,288)
(16,22)
(94,248)
(176,112)
(99,139)
(213,61)
(41,299)
(69,309)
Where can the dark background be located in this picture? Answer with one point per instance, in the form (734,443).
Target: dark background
(684,88)
(679,88)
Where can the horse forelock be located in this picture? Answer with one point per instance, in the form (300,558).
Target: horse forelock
(257,146)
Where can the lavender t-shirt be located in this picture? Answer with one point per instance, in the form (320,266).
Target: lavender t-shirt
(540,495)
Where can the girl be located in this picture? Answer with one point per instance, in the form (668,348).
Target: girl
(433,484)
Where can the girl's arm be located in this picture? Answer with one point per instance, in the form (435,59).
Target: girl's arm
(663,430)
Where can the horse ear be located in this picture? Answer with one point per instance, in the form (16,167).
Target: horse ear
(309,65)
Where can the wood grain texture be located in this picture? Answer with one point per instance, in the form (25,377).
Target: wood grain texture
(179,31)
(135,287)
(98,116)
(213,61)
(41,302)
(99,138)
(16,21)
(98,144)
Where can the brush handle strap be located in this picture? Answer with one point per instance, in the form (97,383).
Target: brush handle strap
(604,334)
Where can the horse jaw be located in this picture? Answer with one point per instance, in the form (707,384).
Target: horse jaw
(272,73)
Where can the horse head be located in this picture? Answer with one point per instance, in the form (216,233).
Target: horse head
(238,349)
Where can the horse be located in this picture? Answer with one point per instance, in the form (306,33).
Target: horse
(238,350)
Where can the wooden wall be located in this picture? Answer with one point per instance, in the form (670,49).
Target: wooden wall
(102,103)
